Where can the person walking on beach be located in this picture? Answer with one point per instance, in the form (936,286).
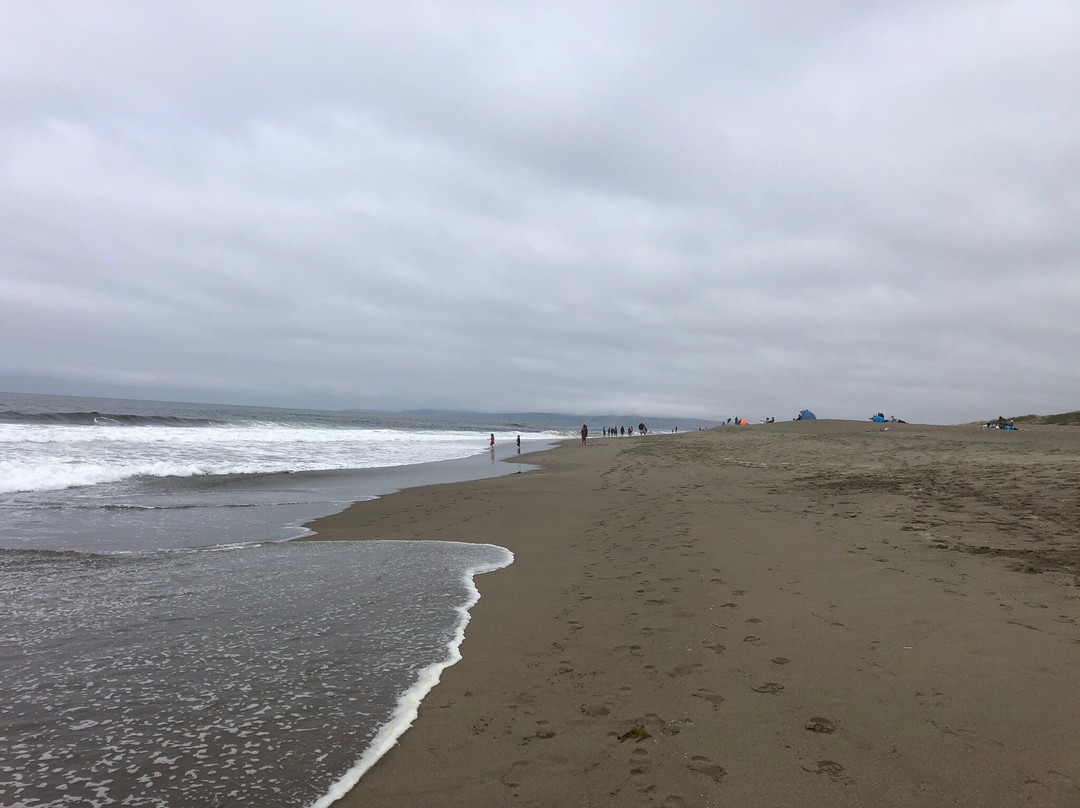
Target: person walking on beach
(584,433)
(519,444)
(492,444)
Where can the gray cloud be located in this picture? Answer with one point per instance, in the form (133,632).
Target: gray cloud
(701,209)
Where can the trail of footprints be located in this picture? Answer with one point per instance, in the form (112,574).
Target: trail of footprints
(625,554)
(643,731)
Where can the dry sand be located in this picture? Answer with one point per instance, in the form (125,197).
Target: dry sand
(803,614)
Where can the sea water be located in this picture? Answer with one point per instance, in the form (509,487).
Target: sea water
(50,443)
(156,649)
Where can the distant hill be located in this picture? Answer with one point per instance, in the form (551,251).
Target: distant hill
(1062,418)
(562,420)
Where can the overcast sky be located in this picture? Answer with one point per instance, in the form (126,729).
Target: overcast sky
(687,208)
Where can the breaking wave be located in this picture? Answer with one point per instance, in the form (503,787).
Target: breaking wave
(99,419)
(53,457)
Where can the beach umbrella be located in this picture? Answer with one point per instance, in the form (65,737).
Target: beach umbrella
(806,415)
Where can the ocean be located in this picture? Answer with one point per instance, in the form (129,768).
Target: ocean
(164,643)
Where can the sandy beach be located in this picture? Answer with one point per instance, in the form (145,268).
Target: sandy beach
(813,613)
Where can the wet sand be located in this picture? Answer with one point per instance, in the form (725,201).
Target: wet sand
(814,613)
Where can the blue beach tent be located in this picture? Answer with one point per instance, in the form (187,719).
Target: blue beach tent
(806,415)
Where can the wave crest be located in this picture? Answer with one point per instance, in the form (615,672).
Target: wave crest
(93,418)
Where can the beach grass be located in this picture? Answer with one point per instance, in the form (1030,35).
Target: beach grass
(1060,419)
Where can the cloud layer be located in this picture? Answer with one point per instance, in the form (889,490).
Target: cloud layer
(697,209)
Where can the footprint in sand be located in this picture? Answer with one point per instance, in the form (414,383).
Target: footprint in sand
(510,776)
(685,669)
(969,740)
(1022,625)
(672,728)
(595,710)
(779,660)
(715,699)
(640,761)
(753,640)
(831,768)
(715,647)
(768,687)
(703,765)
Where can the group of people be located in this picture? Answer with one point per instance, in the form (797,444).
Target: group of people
(611,431)
(491,443)
(879,418)
(1000,423)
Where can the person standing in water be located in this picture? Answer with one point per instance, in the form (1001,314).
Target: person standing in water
(492,444)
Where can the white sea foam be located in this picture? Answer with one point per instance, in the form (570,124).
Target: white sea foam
(186,678)
(50,457)
(408,705)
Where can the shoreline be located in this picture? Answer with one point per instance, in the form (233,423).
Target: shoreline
(357,486)
(813,613)
(408,704)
